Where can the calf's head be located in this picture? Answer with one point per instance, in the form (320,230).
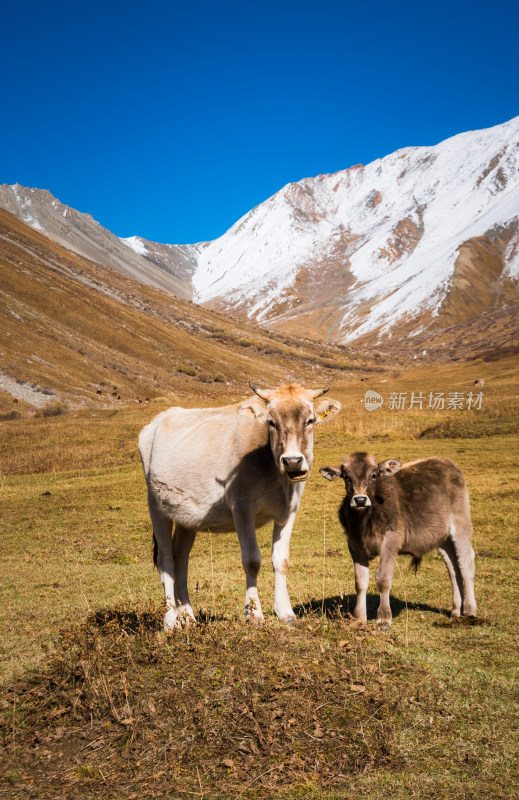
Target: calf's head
(359,472)
(291,413)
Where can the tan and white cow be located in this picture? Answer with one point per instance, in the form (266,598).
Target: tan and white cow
(230,469)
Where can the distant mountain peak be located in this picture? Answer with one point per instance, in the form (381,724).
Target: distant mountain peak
(162,267)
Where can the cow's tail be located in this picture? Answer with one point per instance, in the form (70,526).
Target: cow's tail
(155,550)
(415,563)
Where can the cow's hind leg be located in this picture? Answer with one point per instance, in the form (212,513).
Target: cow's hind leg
(163,558)
(448,553)
(183,539)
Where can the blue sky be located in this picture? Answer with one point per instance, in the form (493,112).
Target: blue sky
(172,119)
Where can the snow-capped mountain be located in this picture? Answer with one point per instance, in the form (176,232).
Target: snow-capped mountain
(423,238)
(166,267)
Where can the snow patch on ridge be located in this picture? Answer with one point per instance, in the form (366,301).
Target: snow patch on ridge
(136,244)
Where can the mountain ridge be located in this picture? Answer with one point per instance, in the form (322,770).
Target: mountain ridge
(79,332)
(420,240)
(164,268)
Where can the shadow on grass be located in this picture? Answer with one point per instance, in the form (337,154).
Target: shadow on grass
(150,618)
(341,606)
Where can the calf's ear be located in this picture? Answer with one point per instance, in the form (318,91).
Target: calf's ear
(326,408)
(389,466)
(330,473)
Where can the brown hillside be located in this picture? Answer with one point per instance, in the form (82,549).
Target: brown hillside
(79,332)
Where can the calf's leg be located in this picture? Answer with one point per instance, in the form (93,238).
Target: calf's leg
(280,552)
(183,539)
(448,553)
(462,535)
(384,580)
(361,567)
(162,527)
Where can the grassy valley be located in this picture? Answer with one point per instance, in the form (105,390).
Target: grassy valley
(98,703)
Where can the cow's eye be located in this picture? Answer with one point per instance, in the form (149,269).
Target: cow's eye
(373,476)
(309,422)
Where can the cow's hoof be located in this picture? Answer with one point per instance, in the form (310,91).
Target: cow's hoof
(383,624)
(185,616)
(171,621)
(290,619)
(455,614)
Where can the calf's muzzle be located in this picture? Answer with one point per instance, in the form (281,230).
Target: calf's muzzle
(360,501)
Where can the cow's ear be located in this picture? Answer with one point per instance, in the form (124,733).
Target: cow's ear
(326,408)
(389,466)
(255,407)
(330,473)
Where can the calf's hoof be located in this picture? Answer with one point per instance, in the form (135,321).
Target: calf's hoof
(255,620)
(383,624)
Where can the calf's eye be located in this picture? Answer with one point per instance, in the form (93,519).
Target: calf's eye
(373,476)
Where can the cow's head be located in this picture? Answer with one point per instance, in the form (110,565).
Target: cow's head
(359,472)
(291,413)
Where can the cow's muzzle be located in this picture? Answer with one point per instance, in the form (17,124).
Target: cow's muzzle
(295,467)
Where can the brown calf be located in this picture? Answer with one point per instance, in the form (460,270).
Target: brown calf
(390,508)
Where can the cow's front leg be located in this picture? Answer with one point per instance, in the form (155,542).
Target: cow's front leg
(384,580)
(280,554)
(251,560)
(361,567)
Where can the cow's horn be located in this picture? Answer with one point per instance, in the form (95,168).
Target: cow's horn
(318,393)
(262,394)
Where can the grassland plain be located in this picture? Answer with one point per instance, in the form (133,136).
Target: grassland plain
(111,708)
